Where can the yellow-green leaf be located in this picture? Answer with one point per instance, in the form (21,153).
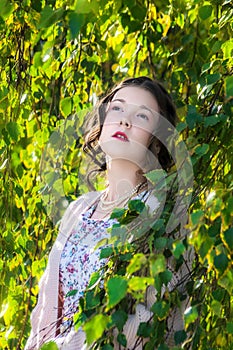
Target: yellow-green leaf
(95,327)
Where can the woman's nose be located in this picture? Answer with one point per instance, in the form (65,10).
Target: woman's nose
(125,122)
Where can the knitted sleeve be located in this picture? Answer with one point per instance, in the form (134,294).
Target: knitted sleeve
(44,315)
(175,321)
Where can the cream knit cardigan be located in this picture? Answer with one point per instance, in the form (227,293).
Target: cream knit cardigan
(44,315)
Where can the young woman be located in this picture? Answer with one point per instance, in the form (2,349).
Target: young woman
(122,142)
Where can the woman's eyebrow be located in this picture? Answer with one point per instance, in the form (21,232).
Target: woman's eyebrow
(147,108)
(119,100)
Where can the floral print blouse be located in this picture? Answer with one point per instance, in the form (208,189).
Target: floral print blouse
(79,260)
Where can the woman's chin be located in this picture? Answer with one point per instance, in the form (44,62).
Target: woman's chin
(125,161)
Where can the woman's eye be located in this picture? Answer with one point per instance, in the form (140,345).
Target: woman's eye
(142,116)
(116,108)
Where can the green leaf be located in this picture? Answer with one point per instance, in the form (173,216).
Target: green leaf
(41,136)
(201,150)
(85,7)
(55,139)
(158,225)
(36,5)
(117,213)
(134,25)
(219,294)
(214,230)
(125,19)
(126,256)
(180,337)
(140,283)
(138,12)
(190,315)
(6,8)
(95,277)
(161,309)
(13,130)
(197,216)
(205,12)
(95,327)
(76,21)
(178,249)
(66,106)
(163,347)
(79,318)
(144,330)
(226,281)
(92,300)
(183,57)
(227,48)
(181,126)
(71,293)
(211,120)
(49,16)
(121,338)
(37,267)
(229,86)
(229,327)
(136,263)
(165,277)
(205,247)
(157,177)
(214,29)
(119,318)
(106,252)
(136,205)
(221,262)
(228,237)
(216,306)
(193,117)
(206,66)
(160,243)
(58,186)
(157,264)
(49,346)
(107,347)
(216,46)
(116,290)
(18,190)
(212,78)
(119,231)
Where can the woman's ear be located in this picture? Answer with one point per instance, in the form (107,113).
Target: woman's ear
(151,160)
(154,145)
(157,146)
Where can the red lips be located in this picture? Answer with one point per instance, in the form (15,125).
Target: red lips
(120,136)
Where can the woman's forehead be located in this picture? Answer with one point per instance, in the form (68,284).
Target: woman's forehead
(136,96)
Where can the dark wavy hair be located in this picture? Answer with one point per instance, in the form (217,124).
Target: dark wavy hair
(97,118)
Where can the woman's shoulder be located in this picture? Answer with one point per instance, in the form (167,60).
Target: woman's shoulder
(77,207)
(85,199)
(83,202)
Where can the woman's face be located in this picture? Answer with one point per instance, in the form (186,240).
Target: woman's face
(129,125)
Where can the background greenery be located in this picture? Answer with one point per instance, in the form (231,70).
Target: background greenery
(56,57)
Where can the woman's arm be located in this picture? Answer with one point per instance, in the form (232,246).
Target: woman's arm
(44,316)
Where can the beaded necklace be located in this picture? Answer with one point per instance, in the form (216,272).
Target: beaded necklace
(108,206)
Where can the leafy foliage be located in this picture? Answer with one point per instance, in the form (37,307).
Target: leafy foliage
(56,56)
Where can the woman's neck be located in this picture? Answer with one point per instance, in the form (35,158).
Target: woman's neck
(122,177)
